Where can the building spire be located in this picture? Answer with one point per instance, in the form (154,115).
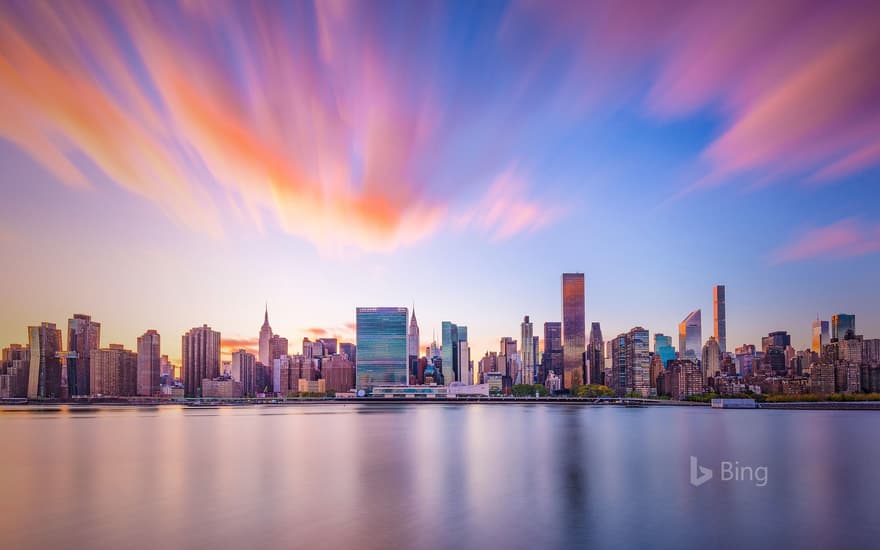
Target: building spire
(266,317)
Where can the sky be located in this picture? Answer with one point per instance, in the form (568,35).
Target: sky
(165,165)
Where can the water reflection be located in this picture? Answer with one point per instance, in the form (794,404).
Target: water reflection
(433,476)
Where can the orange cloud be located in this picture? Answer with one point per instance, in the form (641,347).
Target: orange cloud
(224,106)
(844,239)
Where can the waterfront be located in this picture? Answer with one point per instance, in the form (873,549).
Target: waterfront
(404,475)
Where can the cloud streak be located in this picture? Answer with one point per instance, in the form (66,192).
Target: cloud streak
(298,115)
(846,238)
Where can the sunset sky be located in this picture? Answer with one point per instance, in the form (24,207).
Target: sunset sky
(165,165)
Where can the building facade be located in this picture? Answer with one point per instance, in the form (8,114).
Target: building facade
(148,363)
(200,348)
(690,336)
(573,329)
(83,335)
(719,316)
(381,347)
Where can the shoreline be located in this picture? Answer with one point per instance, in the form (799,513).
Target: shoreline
(48,406)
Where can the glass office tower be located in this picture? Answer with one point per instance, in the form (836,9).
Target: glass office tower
(381,347)
(690,336)
(573,329)
(841,323)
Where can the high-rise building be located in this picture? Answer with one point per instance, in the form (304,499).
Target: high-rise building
(528,352)
(114,371)
(638,362)
(83,335)
(596,356)
(719,317)
(349,350)
(664,348)
(841,324)
(683,378)
(265,349)
(453,339)
(44,376)
(711,355)
(278,347)
(773,345)
(243,369)
(200,348)
(412,337)
(820,335)
(690,336)
(381,347)
(148,360)
(552,358)
(619,375)
(15,366)
(573,329)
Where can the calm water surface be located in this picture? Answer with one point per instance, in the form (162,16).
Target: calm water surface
(436,476)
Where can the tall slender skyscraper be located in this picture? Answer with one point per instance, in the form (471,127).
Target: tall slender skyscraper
(448,351)
(44,376)
(573,329)
(412,338)
(596,355)
(201,358)
(720,317)
(841,323)
(381,347)
(690,336)
(265,350)
(83,336)
(821,335)
(638,361)
(148,360)
(528,353)
(711,363)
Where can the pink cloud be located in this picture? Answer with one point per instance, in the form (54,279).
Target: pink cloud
(843,239)
(507,209)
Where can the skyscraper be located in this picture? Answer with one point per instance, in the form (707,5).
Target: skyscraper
(596,355)
(573,329)
(148,360)
(841,323)
(200,348)
(381,347)
(464,355)
(114,371)
(638,361)
(720,317)
(528,352)
(663,347)
(243,370)
(711,363)
(265,350)
(44,376)
(412,338)
(83,335)
(448,351)
(619,376)
(820,335)
(552,358)
(690,336)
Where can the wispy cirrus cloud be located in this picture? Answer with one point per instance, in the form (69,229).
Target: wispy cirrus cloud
(793,82)
(846,238)
(302,114)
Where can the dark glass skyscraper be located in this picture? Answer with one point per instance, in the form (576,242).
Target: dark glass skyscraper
(841,323)
(551,360)
(449,351)
(596,355)
(381,347)
(573,329)
(44,377)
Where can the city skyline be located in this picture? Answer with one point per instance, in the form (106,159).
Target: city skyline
(514,150)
